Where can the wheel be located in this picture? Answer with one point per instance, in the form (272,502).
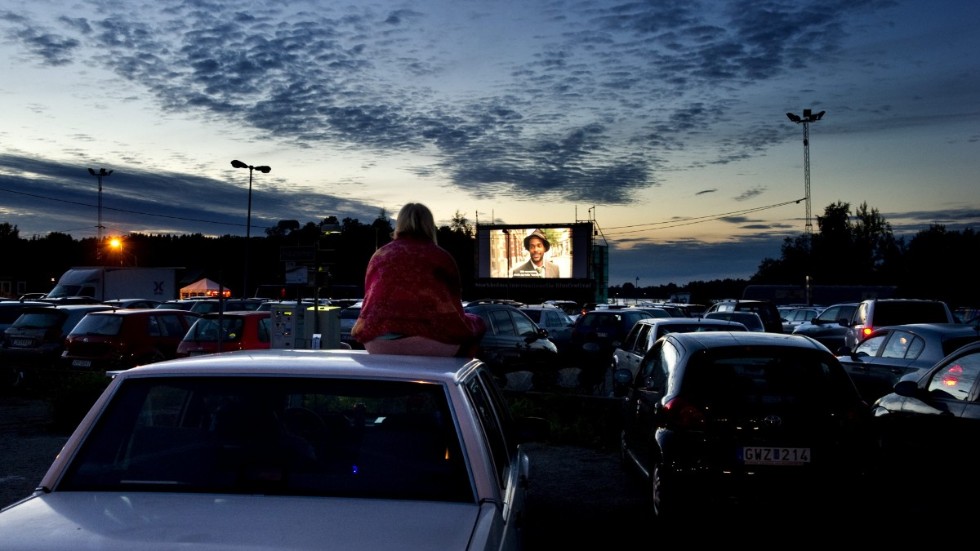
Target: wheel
(656,491)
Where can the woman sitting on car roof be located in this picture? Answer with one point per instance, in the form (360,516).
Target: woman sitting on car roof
(413,295)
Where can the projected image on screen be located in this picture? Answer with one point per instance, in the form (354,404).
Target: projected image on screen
(531,253)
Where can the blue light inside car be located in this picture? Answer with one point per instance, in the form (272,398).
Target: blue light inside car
(353,469)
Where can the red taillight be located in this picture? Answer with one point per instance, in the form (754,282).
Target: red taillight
(865,332)
(682,414)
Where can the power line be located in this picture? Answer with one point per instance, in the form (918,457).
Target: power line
(696,220)
(121,210)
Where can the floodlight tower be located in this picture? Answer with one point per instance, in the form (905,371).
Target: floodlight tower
(805,120)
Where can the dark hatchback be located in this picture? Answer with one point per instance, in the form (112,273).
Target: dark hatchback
(829,326)
(513,342)
(751,418)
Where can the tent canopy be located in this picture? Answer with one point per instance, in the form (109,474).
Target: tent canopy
(203,288)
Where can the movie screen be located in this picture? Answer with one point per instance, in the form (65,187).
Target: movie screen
(533,252)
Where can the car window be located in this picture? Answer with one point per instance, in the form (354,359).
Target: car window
(897,313)
(956,379)
(265,329)
(870,346)
(899,343)
(765,378)
(488,411)
(106,325)
(503,324)
(633,336)
(639,346)
(523,325)
(654,373)
(291,436)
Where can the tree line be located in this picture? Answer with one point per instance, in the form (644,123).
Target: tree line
(857,248)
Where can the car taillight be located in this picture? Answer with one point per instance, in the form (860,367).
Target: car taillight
(682,414)
(865,332)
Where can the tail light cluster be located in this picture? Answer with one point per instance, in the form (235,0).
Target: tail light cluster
(682,414)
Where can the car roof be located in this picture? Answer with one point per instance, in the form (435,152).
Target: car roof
(720,339)
(301,362)
(688,321)
(935,328)
(238,313)
(142,311)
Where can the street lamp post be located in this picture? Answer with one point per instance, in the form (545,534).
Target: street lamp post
(248,222)
(805,120)
(102,173)
(329,226)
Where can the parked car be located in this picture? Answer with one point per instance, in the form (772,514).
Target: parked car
(513,342)
(570,307)
(287,449)
(750,320)
(749,417)
(596,334)
(829,326)
(227,331)
(645,332)
(120,339)
(873,313)
(348,317)
(930,424)
(10,310)
(36,339)
(890,353)
(796,316)
(767,311)
(554,320)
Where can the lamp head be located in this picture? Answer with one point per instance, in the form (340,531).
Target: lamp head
(263,169)
(238,164)
(92,172)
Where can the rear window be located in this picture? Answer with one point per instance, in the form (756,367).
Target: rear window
(899,313)
(766,378)
(107,325)
(288,436)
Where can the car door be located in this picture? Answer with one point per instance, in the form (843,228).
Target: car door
(643,408)
(940,421)
(880,360)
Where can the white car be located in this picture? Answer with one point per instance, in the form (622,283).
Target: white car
(645,332)
(286,449)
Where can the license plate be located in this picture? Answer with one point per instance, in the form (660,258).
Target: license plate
(757,455)
(81,363)
(22,343)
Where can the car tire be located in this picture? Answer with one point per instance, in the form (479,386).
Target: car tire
(656,492)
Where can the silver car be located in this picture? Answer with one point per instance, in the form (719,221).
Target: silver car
(286,449)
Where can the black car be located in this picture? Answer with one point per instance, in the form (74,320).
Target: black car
(597,333)
(928,427)
(829,326)
(746,417)
(767,311)
(513,342)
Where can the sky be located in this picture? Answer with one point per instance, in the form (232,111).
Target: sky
(664,122)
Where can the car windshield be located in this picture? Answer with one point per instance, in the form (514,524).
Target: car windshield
(106,325)
(206,329)
(293,436)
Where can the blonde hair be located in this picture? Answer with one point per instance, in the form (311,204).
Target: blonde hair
(415,219)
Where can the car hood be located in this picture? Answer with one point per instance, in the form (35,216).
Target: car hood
(150,521)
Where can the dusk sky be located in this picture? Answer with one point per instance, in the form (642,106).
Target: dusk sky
(663,121)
